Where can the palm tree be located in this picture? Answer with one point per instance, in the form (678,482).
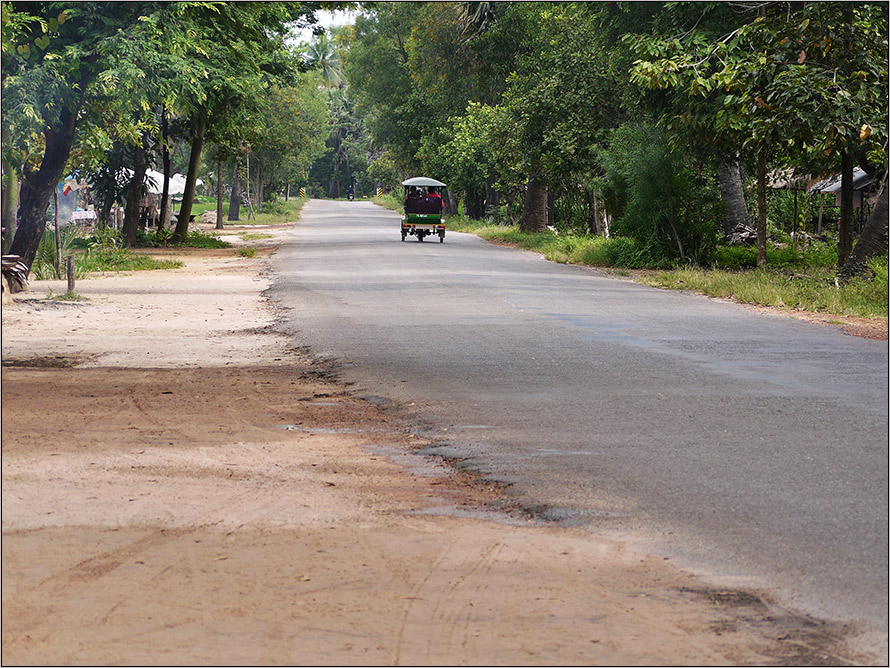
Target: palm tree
(322,55)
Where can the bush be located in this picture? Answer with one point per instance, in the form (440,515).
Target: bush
(274,206)
(658,200)
(44,265)
(199,239)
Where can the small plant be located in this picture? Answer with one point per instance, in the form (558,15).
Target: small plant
(199,239)
(250,251)
(163,235)
(69,296)
(44,266)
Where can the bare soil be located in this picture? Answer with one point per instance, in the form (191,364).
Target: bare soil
(181,485)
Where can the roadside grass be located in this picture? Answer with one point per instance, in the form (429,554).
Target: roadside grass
(276,212)
(104,251)
(99,260)
(816,292)
(253,236)
(249,251)
(795,279)
(391,201)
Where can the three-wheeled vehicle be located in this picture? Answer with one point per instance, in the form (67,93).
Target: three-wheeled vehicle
(423,208)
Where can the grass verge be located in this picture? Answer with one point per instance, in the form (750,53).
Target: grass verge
(277,212)
(794,280)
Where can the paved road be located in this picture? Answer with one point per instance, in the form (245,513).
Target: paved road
(742,443)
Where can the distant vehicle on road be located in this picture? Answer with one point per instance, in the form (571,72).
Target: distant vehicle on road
(423,208)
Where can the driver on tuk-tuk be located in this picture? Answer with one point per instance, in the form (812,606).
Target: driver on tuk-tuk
(413,194)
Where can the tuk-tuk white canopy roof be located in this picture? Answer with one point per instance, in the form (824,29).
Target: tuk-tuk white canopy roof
(422,181)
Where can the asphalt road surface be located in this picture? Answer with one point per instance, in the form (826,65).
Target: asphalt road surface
(740,443)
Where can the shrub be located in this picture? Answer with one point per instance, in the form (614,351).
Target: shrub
(44,265)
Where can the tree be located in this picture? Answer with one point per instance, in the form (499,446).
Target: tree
(323,56)
(65,64)
(247,41)
(52,61)
(799,81)
(559,103)
(872,242)
(295,123)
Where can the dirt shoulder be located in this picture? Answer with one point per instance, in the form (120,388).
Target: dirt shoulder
(182,485)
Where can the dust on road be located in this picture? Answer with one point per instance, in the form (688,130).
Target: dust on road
(181,486)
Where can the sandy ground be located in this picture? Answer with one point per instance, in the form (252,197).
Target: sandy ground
(183,486)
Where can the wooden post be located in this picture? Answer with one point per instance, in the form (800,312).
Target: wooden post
(249,205)
(58,258)
(821,208)
(219,194)
(70,260)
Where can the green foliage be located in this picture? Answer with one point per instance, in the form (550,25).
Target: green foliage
(801,80)
(106,252)
(817,255)
(815,291)
(295,122)
(802,280)
(45,262)
(199,239)
(274,206)
(248,252)
(561,100)
(383,170)
(463,156)
(110,74)
(658,200)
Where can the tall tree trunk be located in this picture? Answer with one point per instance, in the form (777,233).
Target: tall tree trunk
(260,186)
(134,196)
(492,197)
(235,198)
(164,217)
(735,211)
(104,216)
(58,263)
(593,226)
(534,207)
(474,205)
(188,197)
(38,186)
(451,204)
(672,221)
(761,208)
(219,194)
(334,189)
(845,223)
(872,242)
(10,205)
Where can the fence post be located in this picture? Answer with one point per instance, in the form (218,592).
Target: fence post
(70,260)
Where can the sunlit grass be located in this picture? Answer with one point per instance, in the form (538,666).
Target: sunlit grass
(793,280)
(277,213)
(814,291)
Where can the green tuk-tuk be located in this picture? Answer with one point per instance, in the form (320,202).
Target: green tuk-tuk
(424,204)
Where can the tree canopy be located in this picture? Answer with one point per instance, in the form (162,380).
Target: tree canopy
(660,121)
(81,77)
(733,88)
